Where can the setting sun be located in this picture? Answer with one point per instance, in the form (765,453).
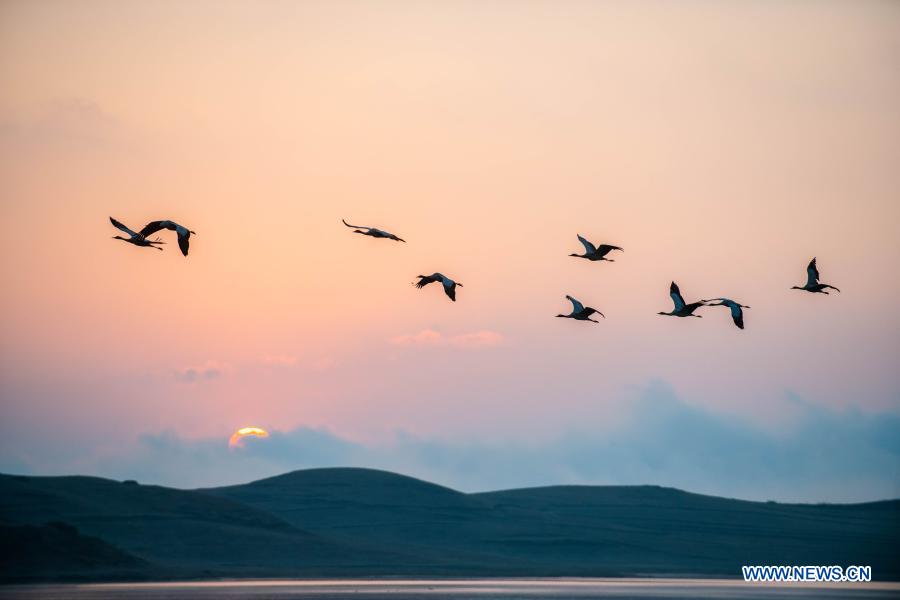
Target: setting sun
(243,432)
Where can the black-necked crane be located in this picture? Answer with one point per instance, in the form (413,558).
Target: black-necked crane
(812,281)
(737,314)
(592,252)
(580,312)
(138,239)
(449,284)
(184,234)
(373,232)
(681,309)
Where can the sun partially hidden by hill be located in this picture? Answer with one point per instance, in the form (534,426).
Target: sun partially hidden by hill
(361,522)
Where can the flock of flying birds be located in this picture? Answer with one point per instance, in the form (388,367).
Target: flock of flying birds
(580,312)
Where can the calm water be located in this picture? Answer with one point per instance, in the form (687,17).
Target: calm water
(457,589)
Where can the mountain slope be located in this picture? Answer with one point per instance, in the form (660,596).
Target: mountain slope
(39,552)
(362,522)
(176,531)
(649,529)
(431,524)
(576,530)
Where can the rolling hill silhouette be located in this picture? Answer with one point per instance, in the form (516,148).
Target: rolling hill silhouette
(54,549)
(362,522)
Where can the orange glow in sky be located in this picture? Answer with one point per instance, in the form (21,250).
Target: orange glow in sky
(722,145)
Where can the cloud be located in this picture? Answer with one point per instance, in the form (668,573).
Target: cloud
(169,459)
(426,337)
(317,364)
(815,454)
(72,123)
(206,371)
(323,363)
(280,360)
(430,337)
(478,338)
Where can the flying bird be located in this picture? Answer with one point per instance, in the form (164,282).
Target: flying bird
(184,234)
(449,284)
(580,312)
(593,253)
(812,281)
(138,239)
(373,232)
(681,309)
(737,315)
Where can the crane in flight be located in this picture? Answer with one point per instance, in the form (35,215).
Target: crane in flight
(737,314)
(592,252)
(681,309)
(373,232)
(580,312)
(138,239)
(812,281)
(449,284)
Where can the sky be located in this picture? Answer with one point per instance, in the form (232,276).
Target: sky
(721,144)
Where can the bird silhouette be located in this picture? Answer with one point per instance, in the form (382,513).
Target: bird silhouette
(593,253)
(681,309)
(184,234)
(737,314)
(449,284)
(373,232)
(580,312)
(812,281)
(138,239)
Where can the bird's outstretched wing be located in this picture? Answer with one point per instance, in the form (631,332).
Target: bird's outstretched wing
(593,311)
(154,226)
(183,242)
(450,289)
(589,248)
(121,227)
(607,248)
(675,293)
(737,315)
(354,226)
(184,234)
(812,273)
(423,281)
(577,306)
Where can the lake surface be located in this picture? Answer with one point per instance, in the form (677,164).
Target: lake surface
(508,589)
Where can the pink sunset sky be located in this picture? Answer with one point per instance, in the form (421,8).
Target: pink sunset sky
(722,144)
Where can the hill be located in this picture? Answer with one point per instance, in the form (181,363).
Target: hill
(39,552)
(363,522)
(434,526)
(175,533)
(576,530)
(649,529)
